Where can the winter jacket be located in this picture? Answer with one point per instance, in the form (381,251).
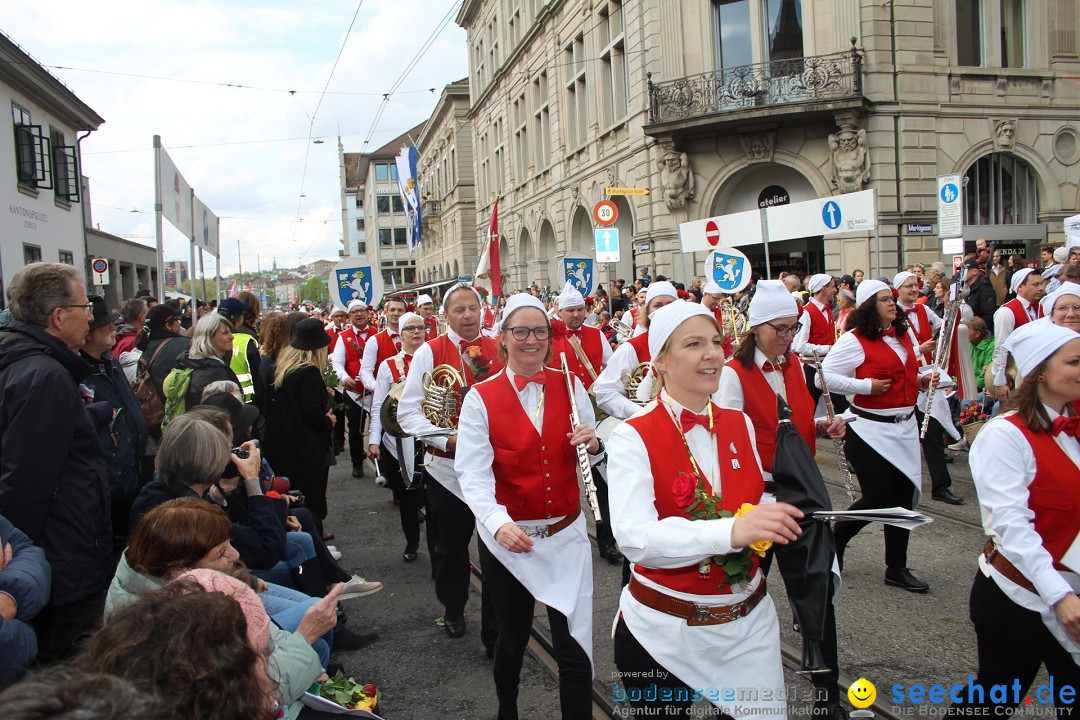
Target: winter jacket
(53,482)
(177,345)
(983,300)
(126,337)
(294,665)
(119,421)
(26,579)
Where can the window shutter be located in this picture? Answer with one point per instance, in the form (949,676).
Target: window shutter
(66,172)
(32,157)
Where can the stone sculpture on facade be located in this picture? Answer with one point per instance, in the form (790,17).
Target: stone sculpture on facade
(1004,134)
(850,159)
(676,180)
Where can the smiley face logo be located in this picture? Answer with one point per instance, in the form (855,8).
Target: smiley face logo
(862,693)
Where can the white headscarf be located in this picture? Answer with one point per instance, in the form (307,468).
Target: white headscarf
(771,300)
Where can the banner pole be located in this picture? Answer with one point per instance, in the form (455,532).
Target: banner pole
(157,220)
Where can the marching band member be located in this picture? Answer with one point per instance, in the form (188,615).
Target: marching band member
(425,308)
(818,332)
(398,466)
(711,297)
(450,522)
(1022,309)
(386,344)
(761,370)
(348,350)
(610,386)
(1026,467)
(924,324)
(877,363)
(630,317)
(587,352)
(684,622)
(522,485)
(1063,306)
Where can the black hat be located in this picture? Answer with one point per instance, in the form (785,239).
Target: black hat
(309,335)
(846,280)
(232,307)
(102,316)
(241,416)
(971,264)
(159,316)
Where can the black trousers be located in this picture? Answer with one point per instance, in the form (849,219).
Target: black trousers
(882,485)
(514,618)
(408,501)
(604,536)
(933,447)
(1012,643)
(310,523)
(62,629)
(450,526)
(839,402)
(355,415)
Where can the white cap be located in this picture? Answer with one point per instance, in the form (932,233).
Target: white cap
(667,319)
(1061,254)
(711,288)
(900,278)
(355,304)
(570,297)
(817,282)
(1034,342)
(519,301)
(424,300)
(771,300)
(868,289)
(1018,277)
(658,289)
(453,288)
(409,317)
(1066,288)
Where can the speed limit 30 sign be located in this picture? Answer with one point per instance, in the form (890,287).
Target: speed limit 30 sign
(605,212)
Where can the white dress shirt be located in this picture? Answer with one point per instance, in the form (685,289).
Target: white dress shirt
(384,379)
(1003,466)
(1004,324)
(801,342)
(609,390)
(368,370)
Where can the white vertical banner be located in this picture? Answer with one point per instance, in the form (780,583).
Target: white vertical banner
(174,192)
(206,228)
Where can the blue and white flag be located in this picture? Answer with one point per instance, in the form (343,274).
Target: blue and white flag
(578,270)
(410,193)
(352,279)
(729,269)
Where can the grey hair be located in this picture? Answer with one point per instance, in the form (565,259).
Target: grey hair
(206,328)
(132,309)
(38,289)
(222,386)
(192,452)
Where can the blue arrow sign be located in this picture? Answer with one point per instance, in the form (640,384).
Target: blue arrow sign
(831,215)
(607,244)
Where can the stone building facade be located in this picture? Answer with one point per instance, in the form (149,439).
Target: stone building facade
(721,106)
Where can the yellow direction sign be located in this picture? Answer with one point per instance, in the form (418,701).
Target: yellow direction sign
(626,191)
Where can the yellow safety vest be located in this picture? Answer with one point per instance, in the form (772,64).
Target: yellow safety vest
(239,364)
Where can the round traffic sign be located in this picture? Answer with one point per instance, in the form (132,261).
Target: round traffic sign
(100,265)
(949,193)
(831,215)
(605,212)
(712,233)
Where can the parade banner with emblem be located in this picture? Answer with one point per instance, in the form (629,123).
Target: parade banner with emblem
(353,278)
(578,269)
(729,269)
(410,193)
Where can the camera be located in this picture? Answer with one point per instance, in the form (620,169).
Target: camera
(240,452)
(298,496)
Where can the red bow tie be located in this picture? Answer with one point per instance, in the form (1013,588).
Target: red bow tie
(909,310)
(573,332)
(891,332)
(689,419)
(521,381)
(769,367)
(1067,425)
(465,345)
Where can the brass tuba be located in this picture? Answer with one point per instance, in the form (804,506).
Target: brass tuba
(388,412)
(442,395)
(623,332)
(735,323)
(631,381)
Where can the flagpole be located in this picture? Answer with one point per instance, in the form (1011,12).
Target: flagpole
(157,219)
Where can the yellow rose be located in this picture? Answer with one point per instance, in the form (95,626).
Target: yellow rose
(761,546)
(744,508)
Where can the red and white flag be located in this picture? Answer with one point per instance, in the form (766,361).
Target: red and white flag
(489,256)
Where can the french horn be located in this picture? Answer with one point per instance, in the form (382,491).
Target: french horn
(442,395)
(389,410)
(623,332)
(631,380)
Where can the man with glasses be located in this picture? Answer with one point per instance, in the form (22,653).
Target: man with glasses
(817,331)
(53,485)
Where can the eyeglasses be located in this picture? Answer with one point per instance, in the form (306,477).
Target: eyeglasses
(522,333)
(88,307)
(783,330)
(1064,309)
(414,328)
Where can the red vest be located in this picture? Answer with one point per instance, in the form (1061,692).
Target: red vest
(1052,493)
(387,349)
(354,349)
(432,328)
(535,474)
(634,311)
(759,402)
(729,345)
(1019,313)
(445,352)
(822,325)
(924,332)
(592,344)
(399,368)
(882,362)
(641,346)
(668,458)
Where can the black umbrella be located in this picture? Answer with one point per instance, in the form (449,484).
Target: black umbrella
(806,564)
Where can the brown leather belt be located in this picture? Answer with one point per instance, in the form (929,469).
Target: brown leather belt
(542,531)
(1001,563)
(694,613)
(441,453)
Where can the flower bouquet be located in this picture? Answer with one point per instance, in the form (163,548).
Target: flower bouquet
(343,693)
(972,418)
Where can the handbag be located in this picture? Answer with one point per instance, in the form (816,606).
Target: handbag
(153,408)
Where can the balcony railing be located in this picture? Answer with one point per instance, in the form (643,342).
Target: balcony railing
(746,87)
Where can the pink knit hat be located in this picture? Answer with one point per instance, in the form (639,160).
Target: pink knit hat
(258,622)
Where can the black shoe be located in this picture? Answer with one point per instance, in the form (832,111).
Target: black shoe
(611,554)
(454,628)
(902,578)
(342,618)
(346,639)
(949,459)
(357,472)
(947,496)
(409,556)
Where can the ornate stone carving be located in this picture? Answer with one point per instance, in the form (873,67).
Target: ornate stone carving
(1004,133)
(676,180)
(758,146)
(850,159)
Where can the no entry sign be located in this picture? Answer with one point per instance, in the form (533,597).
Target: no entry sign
(712,233)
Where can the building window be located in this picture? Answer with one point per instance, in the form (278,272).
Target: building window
(359,223)
(1012,34)
(784,29)
(576,100)
(65,167)
(541,121)
(388,203)
(613,61)
(33,161)
(67,257)
(1000,189)
(733,36)
(401,238)
(969,33)
(359,199)
(521,138)
(500,171)
(386,237)
(31,253)
(361,248)
(384,171)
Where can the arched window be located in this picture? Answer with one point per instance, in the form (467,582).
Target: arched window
(1000,189)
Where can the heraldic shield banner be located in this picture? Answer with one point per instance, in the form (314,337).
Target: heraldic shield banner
(729,269)
(578,270)
(352,279)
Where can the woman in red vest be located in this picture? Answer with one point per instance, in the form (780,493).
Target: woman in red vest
(878,364)
(518,469)
(685,488)
(1026,467)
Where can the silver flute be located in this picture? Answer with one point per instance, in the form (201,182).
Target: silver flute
(838,443)
(584,467)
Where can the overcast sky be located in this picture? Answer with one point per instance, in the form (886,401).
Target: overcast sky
(156,67)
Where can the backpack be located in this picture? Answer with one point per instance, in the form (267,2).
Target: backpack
(175,386)
(153,409)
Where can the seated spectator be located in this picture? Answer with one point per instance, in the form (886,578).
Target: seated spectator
(24,591)
(80,695)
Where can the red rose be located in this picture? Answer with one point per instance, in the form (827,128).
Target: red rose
(684,490)
(370,690)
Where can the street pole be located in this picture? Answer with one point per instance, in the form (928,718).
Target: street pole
(157,219)
(765,241)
